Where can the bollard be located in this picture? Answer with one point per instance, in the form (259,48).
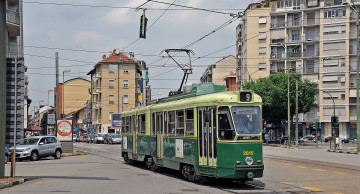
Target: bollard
(12,163)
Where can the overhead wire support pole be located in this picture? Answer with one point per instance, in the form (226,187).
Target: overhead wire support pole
(334,114)
(357,81)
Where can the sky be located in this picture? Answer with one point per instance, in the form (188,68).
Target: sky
(82,31)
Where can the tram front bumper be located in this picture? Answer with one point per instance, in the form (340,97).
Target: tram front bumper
(247,168)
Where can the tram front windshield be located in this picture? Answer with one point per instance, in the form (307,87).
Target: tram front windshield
(246,119)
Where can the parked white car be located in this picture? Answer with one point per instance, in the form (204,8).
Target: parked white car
(39,146)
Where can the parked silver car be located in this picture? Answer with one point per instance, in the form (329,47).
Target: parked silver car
(39,146)
(115,139)
(99,138)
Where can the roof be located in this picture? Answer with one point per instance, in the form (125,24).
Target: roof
(115,56)
(80,78)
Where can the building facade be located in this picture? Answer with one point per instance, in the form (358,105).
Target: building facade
(118,83)
(313,38)
(14,54)
(215,73)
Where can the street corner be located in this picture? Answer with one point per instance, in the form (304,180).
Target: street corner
(12,181)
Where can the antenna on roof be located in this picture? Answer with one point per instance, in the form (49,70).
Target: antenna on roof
(187,68)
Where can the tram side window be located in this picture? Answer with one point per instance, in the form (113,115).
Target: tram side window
(214,133)
(189,125)
(153,118)
(142,124)
(226,128)
(159,123)
(126,124)
(180,123)
(132,124)
(171,123)
(123,120)
(165,123)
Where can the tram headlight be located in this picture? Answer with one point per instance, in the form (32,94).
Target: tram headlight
(249,160)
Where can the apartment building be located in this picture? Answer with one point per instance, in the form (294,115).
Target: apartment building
(215,73)
(14,55)
(76,94)
(118,83)
(319,39)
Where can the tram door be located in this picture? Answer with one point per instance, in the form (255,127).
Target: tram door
(135,132)
(159,135)
(207,136)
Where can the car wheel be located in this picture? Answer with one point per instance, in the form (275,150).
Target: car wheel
(57,154)
(34,156)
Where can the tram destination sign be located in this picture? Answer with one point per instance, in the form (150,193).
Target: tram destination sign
(116,122)
(245,97)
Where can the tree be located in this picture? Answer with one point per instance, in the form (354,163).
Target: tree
(273,91)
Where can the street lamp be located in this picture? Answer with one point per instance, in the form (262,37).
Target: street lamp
(63,112)
(287,63)
(39,111)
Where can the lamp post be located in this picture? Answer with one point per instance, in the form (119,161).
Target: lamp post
(34,115)
(39,111)
(48,105)
(63,88)
(334,116)
(288,86)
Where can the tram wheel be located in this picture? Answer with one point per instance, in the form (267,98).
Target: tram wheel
(126,159)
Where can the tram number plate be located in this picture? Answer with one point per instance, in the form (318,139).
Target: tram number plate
(245,97)
(248,153)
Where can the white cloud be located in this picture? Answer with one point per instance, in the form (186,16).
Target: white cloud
(122,16)
(88,36)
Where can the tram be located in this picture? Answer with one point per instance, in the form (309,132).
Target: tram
(202,133)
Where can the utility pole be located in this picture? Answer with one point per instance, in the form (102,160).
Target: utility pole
(357,82)
(3,32)
(297,114)
(57,87)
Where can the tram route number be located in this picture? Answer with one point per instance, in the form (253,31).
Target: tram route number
(248,153)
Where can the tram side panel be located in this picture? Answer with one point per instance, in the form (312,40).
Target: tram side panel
(179,151)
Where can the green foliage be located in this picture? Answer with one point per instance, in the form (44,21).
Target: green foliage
(310,138)
(274,90)
(353,138)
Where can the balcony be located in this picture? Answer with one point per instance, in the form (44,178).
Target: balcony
(97,90)
(97,75)
(12,17)
(97,105)
(278,25)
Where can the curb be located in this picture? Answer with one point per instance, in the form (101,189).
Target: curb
(279,146)
(13,182)
(344,151)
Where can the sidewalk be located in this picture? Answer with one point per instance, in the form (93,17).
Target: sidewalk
(10,181)
(348,148)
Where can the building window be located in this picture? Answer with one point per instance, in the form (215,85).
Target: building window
(262,35)
(262,66)
(335,13)
(295,35)
(334,29)
(111,84)
(262,51)
(113,68)
(110,113)
(126,69)
(262,20)
(126,84)
(126,99)
(111,99)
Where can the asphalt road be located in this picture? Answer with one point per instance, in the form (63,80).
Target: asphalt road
(103,171)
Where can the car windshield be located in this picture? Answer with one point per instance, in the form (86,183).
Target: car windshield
(116,135)
(246,119)
(30,141)
(100,135)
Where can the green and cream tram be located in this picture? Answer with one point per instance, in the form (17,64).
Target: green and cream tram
(202,135)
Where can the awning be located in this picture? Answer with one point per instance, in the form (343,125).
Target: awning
(77,129)
(90,130)
(35,128)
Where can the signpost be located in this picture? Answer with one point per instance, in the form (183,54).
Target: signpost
(64,130)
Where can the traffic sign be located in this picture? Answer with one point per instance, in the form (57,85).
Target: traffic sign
(64,130)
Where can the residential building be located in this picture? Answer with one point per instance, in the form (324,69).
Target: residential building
(76,94)
(14,54)
(319,39)
(231,81)
(118,83)
(215,73)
